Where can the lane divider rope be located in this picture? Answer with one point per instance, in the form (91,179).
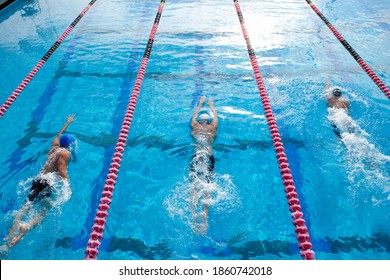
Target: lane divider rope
(40,63)
(354,54)
(96,235)
(288,182)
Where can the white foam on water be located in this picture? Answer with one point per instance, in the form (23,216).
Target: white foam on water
(61,189)
(365,165)
(188,200)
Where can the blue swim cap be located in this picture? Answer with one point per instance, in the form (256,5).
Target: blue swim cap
(66,140)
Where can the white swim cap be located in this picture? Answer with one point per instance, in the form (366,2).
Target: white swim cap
(204,117)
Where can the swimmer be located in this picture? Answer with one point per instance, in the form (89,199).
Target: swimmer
(338,106)
(57,162)
(204,131)
(334,97)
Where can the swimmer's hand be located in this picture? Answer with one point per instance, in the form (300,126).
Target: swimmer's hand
(327,83)
(71,118)
(202,100)
(211,102)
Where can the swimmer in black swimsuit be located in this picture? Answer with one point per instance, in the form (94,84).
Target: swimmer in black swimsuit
(204,131)
(202,158)
(57,162)
(40,189)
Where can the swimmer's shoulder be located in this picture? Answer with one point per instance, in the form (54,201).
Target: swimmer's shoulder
(62,152)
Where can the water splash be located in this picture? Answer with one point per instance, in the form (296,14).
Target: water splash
(61,191)
(191,200)
(366,166)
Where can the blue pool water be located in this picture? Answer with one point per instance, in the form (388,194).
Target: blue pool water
(343,184)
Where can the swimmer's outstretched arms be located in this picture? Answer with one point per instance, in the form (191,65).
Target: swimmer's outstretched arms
(204,126)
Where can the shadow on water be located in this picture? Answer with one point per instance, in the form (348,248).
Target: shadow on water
(105,140)
(137,246)
(31,8)
(27,8)
(250,250)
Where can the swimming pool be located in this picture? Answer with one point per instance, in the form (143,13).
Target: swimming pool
(199,49)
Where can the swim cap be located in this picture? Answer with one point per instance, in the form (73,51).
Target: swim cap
(204,117)
(66,140)
(336,92)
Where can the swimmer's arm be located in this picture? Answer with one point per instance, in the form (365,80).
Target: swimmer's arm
(62,164)
(327,83)
(56,140)
(346,104)
(215,114)
(201,102)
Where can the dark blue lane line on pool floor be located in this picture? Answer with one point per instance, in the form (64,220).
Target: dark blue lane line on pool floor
(39,113)
(16,165)
(199,67)
(293,156)
(199,72)
(292,152)
(98,184)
